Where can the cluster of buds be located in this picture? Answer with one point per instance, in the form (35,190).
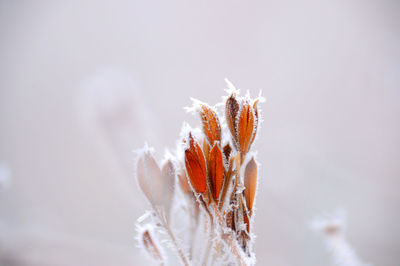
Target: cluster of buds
(216,174)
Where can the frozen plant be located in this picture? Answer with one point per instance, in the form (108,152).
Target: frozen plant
(203,195)
(333,228)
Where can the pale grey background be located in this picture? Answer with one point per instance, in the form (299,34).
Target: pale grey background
(82,83)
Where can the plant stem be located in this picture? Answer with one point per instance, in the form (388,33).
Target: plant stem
(164,224)
(182,255)
(227,182)
(231,240)
(209,244)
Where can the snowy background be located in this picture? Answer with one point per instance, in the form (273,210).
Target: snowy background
(83,83)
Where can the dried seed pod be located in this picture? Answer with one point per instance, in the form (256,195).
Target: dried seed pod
(150,245)
(168,177)
(228,175)
(243,239)
(184,183)
(150,178)
(250,183)
(216,171)
(196,166)
(231,113)
(245,128)
(206,149)
(232,211)
(230,221)
(256,120)
(211,124)
(157,185)
(227,152)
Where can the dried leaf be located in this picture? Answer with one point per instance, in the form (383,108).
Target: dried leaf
(216,171)
(211,124)
(196,166)
(245,127)
(250,183)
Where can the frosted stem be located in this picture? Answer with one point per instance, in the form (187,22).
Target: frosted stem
(181,254)
(209,244)
(179,250)
(231,241)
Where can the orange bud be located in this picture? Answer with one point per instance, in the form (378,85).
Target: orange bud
(245,127)
(216,171)
(250,183)
(211,125)
(196,165)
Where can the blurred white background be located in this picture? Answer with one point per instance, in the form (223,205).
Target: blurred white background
(83,83)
